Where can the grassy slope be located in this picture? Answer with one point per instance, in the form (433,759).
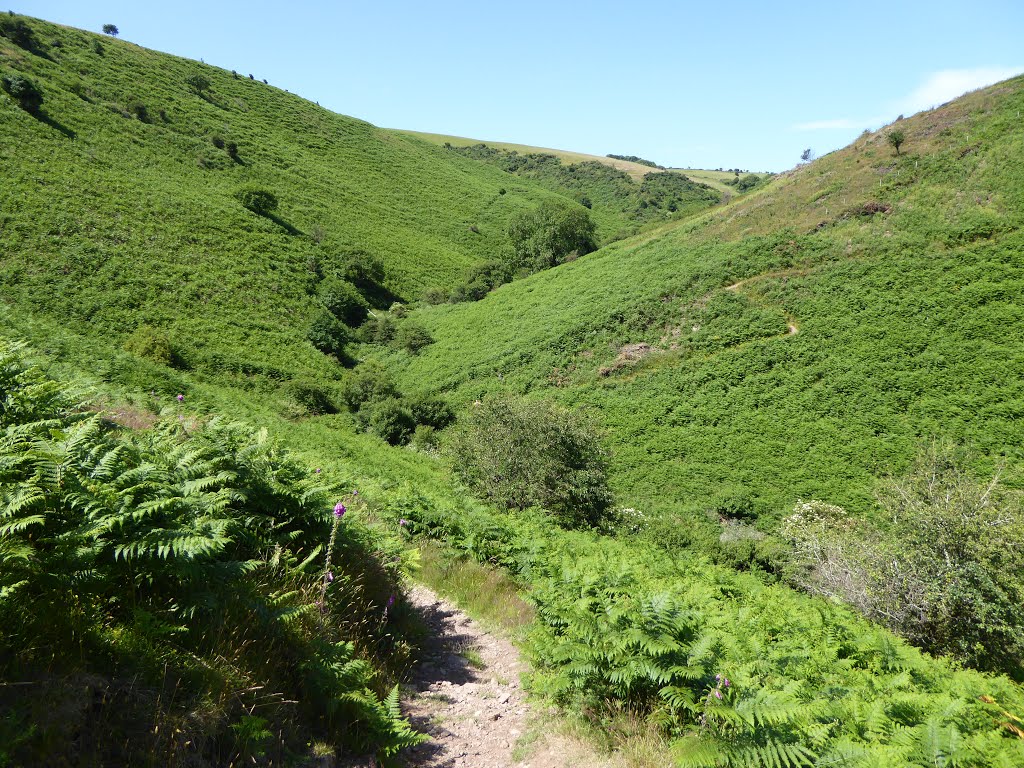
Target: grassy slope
(129,222)
(909,324)
(714,179)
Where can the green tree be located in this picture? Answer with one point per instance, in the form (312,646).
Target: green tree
(198,84)
(260,201)
(328,334)
(895,138)
(549,235)
(110,29)
(343,300)
(521,453)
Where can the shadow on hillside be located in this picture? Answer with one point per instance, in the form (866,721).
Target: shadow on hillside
(283,224)
(44,118)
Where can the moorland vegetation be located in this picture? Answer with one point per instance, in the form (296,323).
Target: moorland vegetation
(757,467)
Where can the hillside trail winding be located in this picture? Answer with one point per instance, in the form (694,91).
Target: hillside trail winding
(466,695)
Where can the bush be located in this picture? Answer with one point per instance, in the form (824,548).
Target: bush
(344,301)
(430,410)
(150,344)
(19,33)
(378,329)
(328,334)
(138,109)
(24,91)
(367,383)
(260,201)
(519,453)
(945,572)
(198,84)
(412,337)
(546,236)
(391,420)
(311,397)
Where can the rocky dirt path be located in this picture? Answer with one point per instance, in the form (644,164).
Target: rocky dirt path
(466,695)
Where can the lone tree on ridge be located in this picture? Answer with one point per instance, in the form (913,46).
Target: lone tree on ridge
(896,137)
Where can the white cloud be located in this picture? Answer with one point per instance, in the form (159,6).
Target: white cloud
(947,84)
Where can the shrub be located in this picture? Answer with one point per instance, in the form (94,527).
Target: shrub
(24,91)
(412,337)
(378,329)
(519,453)
(430,410)
(19,33)
(424,438)
(138,109)
(260,201)
(391,420)
(311,397)
(943,573)
(434,295)
(367,383)
(328,334)
(198,84)
(232,149)
(344,301)
(150,343)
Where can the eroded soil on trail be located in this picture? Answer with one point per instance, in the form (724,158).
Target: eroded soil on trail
(466,695)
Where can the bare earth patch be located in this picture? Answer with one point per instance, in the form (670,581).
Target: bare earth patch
(466,695)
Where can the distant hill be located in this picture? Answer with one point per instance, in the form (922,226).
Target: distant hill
(636,170)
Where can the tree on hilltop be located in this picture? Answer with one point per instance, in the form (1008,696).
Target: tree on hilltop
(896,137)
(110,29)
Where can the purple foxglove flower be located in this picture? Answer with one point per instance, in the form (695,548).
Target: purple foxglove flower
(339,509)
(181,398)
(403,522)
(391,601)
(718,694)
(330,576)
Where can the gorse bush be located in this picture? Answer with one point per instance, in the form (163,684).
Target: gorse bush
(19,32)
(519,453)
(135,556)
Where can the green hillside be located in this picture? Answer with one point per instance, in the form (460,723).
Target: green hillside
(798,343)
(651,439)
(119,199)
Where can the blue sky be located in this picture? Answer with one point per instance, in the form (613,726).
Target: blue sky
(708,85)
